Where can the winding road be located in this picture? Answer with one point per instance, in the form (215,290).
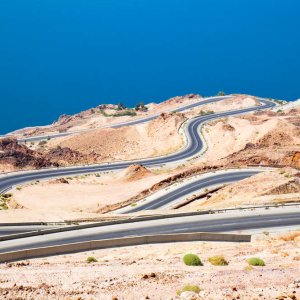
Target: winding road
(127,123)
(194,146)
(188,224)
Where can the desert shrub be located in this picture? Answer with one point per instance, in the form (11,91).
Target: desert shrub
(6,196)
(91,259)
(121,106)
(255,261)
(189,288)
(218,260)
(42,143)
(203,113)
(192,260)
(125,113)
(221,93)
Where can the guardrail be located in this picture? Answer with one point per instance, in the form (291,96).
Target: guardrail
(134,219)
(121,242)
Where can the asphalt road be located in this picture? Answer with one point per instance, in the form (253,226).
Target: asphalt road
(202,223)
(182,191)
(128,123)
(194,147)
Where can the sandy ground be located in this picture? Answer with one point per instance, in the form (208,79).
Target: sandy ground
(232,134)
(157,272)
(89,194)
(158,137)
(86,193)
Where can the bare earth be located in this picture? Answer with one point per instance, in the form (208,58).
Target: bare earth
(279,132)
(85,194)
(157,272)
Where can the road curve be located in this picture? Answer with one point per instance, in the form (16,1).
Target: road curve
(203,223)
(194,147)
(182,191)
(128,123)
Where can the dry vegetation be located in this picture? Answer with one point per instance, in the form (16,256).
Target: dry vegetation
(158,272)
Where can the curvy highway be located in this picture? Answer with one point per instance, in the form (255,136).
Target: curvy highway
(194,146)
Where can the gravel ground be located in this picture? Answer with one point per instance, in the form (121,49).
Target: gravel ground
(157,272)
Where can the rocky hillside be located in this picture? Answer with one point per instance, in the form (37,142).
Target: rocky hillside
(15,156)
(278,186)
(264,138)
(106,114)
(157,137)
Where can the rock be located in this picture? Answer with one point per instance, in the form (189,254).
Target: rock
(189,296)
(61,180)
(136,172)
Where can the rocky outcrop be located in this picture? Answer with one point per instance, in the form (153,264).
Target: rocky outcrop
(66,156)
(290,187)
(136,172)
(19,156)
(179,99)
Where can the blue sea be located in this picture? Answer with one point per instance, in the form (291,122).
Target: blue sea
(64,56)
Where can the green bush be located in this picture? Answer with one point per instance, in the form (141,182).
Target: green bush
(91,259)
(125,113)
(255,261)
(192,260)
(221,93)
(218,260)
(189,288)
(6,196)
